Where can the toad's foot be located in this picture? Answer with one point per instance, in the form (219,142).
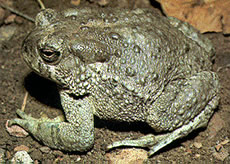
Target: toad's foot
(70,136)
(155,143)
(30,123)
(24,117)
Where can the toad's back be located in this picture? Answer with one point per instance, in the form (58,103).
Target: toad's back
(141,33)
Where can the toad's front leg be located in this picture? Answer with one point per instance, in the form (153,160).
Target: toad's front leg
(77,134)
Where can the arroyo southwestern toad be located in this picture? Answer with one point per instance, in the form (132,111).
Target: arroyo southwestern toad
(120,65)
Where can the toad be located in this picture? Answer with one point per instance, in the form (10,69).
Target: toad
(120,65)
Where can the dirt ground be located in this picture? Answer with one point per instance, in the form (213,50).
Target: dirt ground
(202,146)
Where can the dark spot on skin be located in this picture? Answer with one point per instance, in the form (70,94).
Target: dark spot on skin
(78,97)
(82,23)
(187,48)
(73,17)
(137,49)
(48,15)
(118,53)
(39,127)
(84,28)
(53,134)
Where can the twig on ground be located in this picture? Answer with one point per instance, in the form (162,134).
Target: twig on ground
(17,12)
(220,68)
(24,101)
(41,4)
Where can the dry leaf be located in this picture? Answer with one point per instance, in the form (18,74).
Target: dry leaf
(16,130)
(206,15)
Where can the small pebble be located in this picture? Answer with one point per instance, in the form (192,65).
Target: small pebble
(225,142)
(36,162)
(21,148)
(218,147)
(222,155)
(58,153)
(197,155)
(130,155)
(45,149)
(198,145)
(22,157)
(75,2)
(2,155)
(103,2)
(10,19)
(8,155)
(7,32)
(2,15)
(18,20)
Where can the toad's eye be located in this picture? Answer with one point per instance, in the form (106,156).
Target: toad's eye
(50,56)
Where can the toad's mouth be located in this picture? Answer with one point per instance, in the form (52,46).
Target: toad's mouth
(63,87)
(71,93)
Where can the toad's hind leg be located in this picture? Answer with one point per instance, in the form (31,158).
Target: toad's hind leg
(182,108)
(155,143)
(199,121)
